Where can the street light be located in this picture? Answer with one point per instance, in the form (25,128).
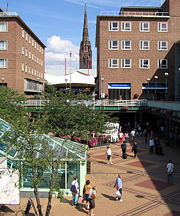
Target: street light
(38,86)
(70,69)
(148,80)
(2,79)
(156,77)
(66,83)
(166,78)
(102,79)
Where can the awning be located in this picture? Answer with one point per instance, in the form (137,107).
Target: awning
(154,86)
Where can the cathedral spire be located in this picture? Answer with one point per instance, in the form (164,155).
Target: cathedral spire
(85,28)
(85,52)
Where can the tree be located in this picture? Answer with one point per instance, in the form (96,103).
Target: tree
(64,114)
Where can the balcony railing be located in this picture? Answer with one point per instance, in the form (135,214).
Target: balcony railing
(135,13)
(4,14)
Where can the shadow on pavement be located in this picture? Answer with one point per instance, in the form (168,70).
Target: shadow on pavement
(108,197)
(5,209)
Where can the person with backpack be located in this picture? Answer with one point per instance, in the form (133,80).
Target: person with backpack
(118,186)
(92,196)
(75,191)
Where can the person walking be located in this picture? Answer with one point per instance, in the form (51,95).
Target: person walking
(151,145)
(121,137)
(92,196)
(75,191)
(134,149)
(86,190)
(124,146)
(109,161)
(126,135)
(170,170)
(118,185)
(133,133)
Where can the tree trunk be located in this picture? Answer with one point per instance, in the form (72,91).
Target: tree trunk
(49,203)
(36,193)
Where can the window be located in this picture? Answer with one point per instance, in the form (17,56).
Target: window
(162,45)
(26,52)
(32,56)
(163,63)
(162,27)
(144,26)
(113,44)
(32,71)
(32,42)
(126,26)
(29,54)
(26,36)
(29,39)
(144,45)
(37,60)
(23,33)
(3,45)
(125,44)
(113,63)
(126,63)
(22,66)
(26,68)
(113,26)
(23,50)
(144,63)
(3,63)
(3,26)
(35,44)
(29,69)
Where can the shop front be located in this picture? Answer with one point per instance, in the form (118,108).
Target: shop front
(119,91)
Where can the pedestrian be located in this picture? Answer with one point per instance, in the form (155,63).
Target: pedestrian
(134,149)
(126,135)
(86,190)
(92,196)
(121,137)
(118,185)
(133,132)
(75,191)
(158,147)
(123,147)
(109,155)
(170,170)
(145,134)
(151,145)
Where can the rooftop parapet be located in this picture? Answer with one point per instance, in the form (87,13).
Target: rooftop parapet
(135,14)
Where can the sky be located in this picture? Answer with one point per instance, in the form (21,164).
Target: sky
(59,25)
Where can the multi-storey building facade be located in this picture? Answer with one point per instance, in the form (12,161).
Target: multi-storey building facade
(21,55)
(138,52)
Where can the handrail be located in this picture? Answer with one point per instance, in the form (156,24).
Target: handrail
(134,13)
(8,14)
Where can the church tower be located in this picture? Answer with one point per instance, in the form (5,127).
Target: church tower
(85,52)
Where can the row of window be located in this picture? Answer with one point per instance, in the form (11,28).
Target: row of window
(32,41)
(30,70)
(3,63)
(143,26)
(143,45)
(143,63)
(4,28)
(32,56)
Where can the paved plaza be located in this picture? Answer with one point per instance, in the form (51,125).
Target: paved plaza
(145,187)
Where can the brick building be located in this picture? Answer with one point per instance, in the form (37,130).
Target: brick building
(21,56)
(138,52)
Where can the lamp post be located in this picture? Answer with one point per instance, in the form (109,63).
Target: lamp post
(2,79)
(148,80)
(38,86)
(66,84)
(166,90)
(70,69)
(156,77)
(102,79)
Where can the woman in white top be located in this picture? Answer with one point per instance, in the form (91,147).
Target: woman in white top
(151,145)
(92,196)
(170,169)
(108,155)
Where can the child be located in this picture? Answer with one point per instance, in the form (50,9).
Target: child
(109,155)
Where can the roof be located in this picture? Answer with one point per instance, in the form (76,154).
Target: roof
(77,77)
(141,7)
(66,149)
(14,15)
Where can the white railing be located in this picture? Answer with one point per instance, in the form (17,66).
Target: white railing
(121,103)
(8,14)
(134,13)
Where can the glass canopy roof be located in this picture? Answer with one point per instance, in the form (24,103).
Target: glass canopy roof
(65,149)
